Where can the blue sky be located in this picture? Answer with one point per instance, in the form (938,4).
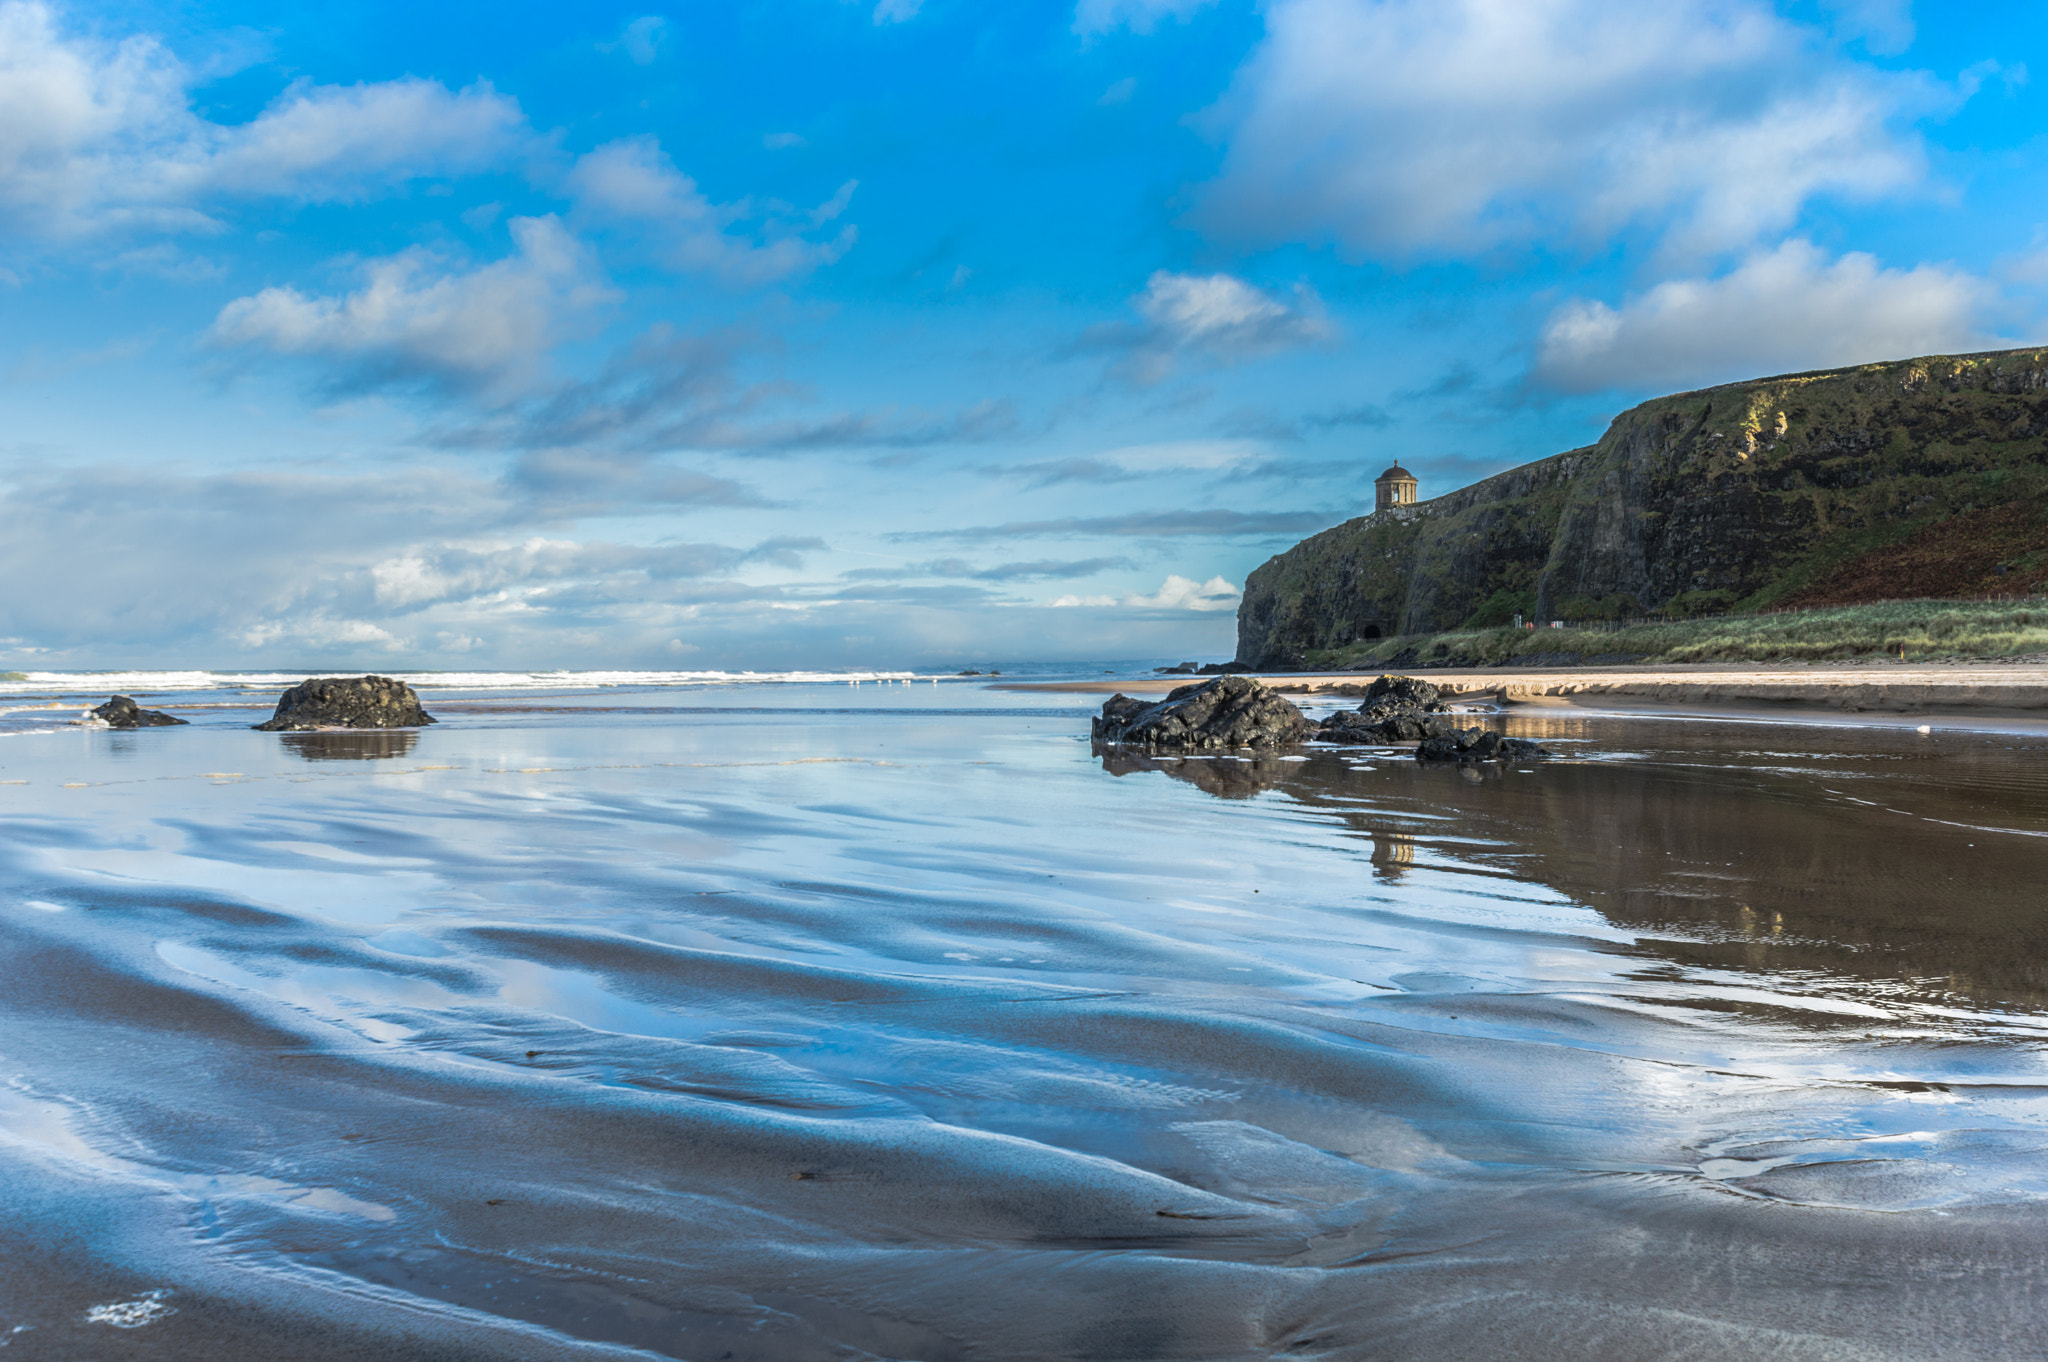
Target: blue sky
(808,333)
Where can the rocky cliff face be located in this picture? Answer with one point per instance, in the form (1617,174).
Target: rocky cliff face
(1738,497)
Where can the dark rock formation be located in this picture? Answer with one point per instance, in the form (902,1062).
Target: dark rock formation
(1231,711)
(122,712)
(1224,668)
(1184,669)
(1395,709)
(1477,744)
(1915,478)
(347,702)
(1365,726)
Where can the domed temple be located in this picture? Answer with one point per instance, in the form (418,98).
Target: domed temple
(1395,487)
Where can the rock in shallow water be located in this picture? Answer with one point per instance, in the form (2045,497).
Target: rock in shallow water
(1477,744)
(123,712)
(347,702)
(1395,709)
(1231,711)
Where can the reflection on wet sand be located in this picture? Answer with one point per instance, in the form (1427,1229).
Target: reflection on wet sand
(1226,777)
(1906,859)
(368,745)
(1392,854)
(672,1037)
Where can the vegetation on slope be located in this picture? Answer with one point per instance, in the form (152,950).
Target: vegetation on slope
(1917,631)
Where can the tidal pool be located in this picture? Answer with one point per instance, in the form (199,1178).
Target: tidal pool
(822,1022)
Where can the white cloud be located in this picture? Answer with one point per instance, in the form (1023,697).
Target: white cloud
(631,183)
(640,40)
(376,565)
(1781,310)
(1216,316)
(1219,312)
(336,143)
(897,11)
(322,632)
(1441,127)
(1175,593)
(1182,593)
(416,319)
(1101,16)
(97,136)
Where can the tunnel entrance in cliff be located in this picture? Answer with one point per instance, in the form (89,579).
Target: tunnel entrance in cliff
(1371,631)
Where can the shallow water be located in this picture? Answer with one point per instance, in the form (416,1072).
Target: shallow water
(805,1021)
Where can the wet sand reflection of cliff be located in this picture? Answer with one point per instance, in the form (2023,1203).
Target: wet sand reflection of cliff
(1910,860)
(1392,854)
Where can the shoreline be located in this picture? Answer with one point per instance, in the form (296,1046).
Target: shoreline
(1968,691)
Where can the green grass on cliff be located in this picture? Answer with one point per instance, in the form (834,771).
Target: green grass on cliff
(1923,630)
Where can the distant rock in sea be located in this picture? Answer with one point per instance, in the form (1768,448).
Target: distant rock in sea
(123,712)
(346,702)
(1231,711)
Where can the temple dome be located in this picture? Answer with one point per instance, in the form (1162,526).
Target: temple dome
(1397,472)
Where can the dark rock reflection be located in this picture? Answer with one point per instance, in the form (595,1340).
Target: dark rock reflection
(1226,777)
(370,745)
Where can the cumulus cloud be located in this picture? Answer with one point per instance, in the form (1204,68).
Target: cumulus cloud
(135,564)
(98,136)
(137,558)
(1216,317)
(1785,309)
(631,185)
(341,143)
(1442,127)
(1142,16)
(418,320)
(1175,593)
(538,566)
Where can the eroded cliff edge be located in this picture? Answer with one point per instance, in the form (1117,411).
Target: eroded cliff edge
(1914,478)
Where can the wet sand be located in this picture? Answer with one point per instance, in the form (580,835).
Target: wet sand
(893,1028)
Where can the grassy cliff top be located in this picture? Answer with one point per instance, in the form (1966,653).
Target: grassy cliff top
(1911,631)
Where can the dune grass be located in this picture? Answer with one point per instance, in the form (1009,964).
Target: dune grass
(1915,631)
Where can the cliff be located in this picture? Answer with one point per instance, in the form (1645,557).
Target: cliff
(1923,477)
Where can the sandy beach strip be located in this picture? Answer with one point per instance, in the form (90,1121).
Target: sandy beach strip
(1985,690)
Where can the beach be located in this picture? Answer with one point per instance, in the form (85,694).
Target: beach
(1966,689)
(788,1018)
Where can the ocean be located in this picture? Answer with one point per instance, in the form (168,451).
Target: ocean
(837,1016)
